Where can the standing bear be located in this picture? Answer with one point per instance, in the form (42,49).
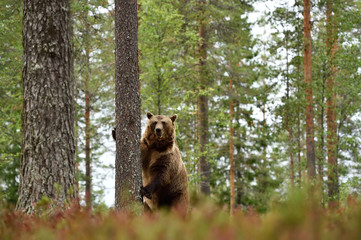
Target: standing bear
(165,182)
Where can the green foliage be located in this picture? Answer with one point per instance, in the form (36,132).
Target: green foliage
(10,98)
(164,41)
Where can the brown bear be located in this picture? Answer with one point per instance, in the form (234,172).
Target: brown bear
(165,182)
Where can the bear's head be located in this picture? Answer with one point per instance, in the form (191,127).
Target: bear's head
(160,128)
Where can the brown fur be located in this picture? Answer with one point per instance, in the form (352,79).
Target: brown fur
(165,182)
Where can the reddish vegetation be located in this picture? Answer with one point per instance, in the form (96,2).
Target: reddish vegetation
(297,218)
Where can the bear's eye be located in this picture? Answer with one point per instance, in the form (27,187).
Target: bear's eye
(163,123)
(154,123)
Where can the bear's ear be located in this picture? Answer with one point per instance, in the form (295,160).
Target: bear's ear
(149,115)
(174,117)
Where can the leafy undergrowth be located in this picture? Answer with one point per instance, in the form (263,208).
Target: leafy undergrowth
(296,218)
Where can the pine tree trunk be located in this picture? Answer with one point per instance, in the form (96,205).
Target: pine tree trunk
(308,91)
(292,168)
(231,151)
(299,149)
(88,179)
(321,135)
(300,48)
(203,105)
(48,147)
(128,171)
(331,49)
(299,159)
(288,127)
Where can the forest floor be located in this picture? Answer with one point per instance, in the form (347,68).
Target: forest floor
(299,217)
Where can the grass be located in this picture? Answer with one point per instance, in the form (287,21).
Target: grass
(299,217)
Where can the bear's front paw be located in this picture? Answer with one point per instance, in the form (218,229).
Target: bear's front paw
(145,192)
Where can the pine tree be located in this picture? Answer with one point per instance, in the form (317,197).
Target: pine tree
(127,164)
(48,149)
(308,91)
(202,101)
(331,50)
(231,147)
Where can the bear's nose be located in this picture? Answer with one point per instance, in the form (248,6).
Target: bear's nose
(158,130)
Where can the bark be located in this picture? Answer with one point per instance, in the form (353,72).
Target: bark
(308,91)
(88,179)
(299,163)
(203,104)
(331,48)
(48,146)
(231,151)
(321,136)
(239,165)
(290,149)
(299,159)
(128,172)
(288,127)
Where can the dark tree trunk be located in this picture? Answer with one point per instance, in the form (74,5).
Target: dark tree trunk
(203,104)
(48,147)
(288,125)
(299,107)
(299,159)
(331,49)
(231,151)
(321,135)
(128,172)
(88,179)
(310,143)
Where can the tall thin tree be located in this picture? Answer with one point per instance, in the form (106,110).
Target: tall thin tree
(288,124)
(231,146)
(48,146)
(310,143)
(87,107)
(88,178)
(203,102)
(331,50)
(127,101)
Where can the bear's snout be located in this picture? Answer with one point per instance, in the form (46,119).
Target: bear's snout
(158,131)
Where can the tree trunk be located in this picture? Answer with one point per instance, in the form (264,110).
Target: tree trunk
(48,146)
(331,50)
(128,171)
(88,179)
(288,125)
(321,134)
(299,159)
(203,104)
(290,149)
(308,91)
(231,151)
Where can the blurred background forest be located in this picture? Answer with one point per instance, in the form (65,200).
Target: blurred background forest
(233,71)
